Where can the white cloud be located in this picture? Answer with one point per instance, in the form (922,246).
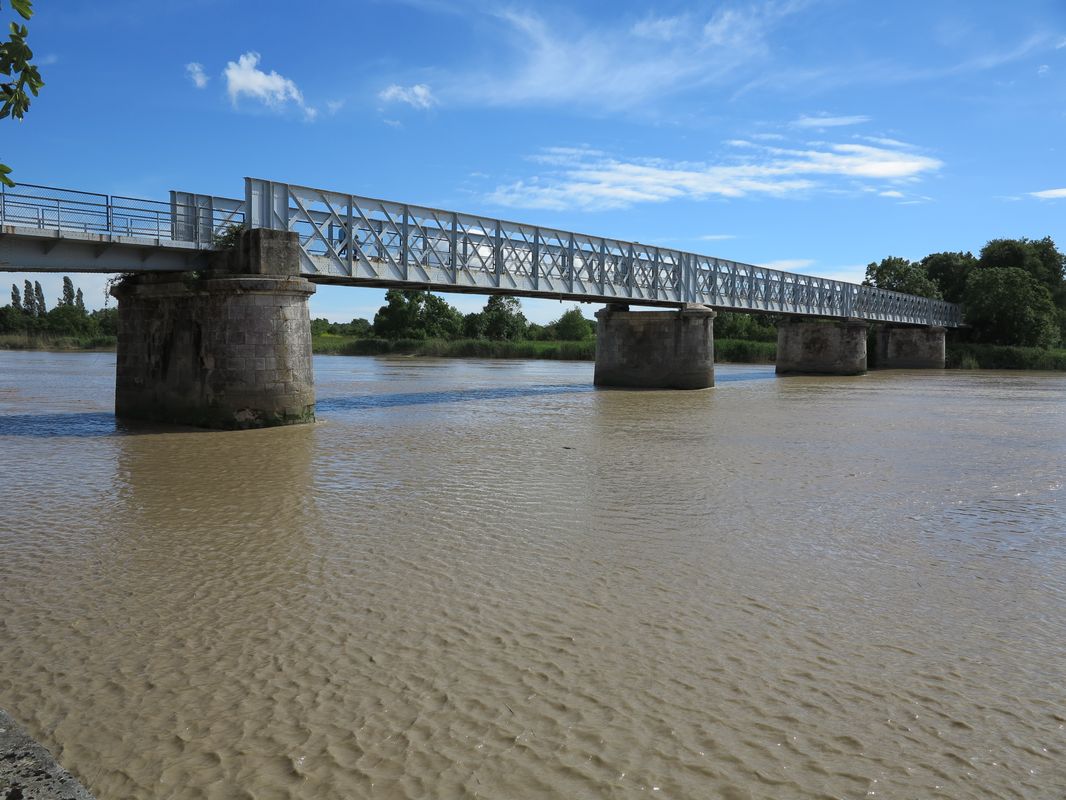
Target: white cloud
(826,121)
(1043,69)
(418,96)
(1061,44)
(788,264)
(333,106)
(891,193)
(588,179)
(599,65)
(1049,194)
(196,74)
(243,77)
(716,237)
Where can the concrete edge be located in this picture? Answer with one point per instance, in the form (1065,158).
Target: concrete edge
(29,772)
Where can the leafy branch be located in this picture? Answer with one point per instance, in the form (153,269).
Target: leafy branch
(19,78)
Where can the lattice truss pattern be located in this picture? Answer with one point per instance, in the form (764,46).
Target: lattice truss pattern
(378,241)
(351,239)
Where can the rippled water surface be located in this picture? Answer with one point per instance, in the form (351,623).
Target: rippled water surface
(485,579)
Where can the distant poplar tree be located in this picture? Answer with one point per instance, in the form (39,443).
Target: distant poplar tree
(29,300)
(38,293)
(79,302)
(16,298)
(68,292)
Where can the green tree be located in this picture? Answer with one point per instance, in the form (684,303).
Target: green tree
(1007,305)
(79,301)
(320,326)
(19,78)
(572,326)
(38,293)
(411,314)
(901,275)
(949,272)
(1041,259)
(504,318)
(16,298)
(29,299)
(68,292)
(474,325)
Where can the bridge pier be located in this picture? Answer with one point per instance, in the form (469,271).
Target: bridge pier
(910,347)
(229,348)
(821,347)
(655,349)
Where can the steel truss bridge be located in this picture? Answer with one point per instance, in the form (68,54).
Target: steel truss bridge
(354,240)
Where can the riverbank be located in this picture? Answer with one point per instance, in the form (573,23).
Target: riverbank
(726,351)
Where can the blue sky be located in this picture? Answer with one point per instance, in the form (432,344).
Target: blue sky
(811,135)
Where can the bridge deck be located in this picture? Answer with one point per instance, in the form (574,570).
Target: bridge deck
(354,240)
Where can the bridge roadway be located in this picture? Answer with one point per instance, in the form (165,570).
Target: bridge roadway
(354,240)
(222,338)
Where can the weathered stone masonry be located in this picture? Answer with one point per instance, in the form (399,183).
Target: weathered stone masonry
(222,349)
(655,349)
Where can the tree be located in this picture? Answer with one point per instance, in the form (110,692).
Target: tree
(416,315)
(68,292)
(504,318)
(79,301)
(38,293)
(572,326)
(474,325)
(1006,305)
(949,272)
(901,275)
(16,298)
(29,299)
(20,77)
(1041,259)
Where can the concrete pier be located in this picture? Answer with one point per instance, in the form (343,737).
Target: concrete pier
(821,347)
(28,771)
(655,349)
(909,347)
(229,348)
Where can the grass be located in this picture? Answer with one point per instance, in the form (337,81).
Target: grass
(25,341)
(994,356)
(461,348)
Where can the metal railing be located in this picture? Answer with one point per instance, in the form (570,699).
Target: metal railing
(370,241)
(69,210)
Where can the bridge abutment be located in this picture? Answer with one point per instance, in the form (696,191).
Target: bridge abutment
(821,347)
(910,347)
(655,349)
(229,348)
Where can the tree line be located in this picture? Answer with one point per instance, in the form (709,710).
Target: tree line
(1013,292)
(420,314)
(28,313)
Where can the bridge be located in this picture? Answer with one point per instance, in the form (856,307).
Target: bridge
(296,236)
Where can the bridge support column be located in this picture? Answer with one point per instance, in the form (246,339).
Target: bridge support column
(655,349)
(225,349)
(821,347)
(901,347)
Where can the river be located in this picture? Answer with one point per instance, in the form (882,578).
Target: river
(487,579)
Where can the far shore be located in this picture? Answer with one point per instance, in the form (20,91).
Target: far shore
(960,355)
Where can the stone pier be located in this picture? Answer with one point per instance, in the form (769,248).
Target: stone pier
(909,347)
(228,348)
(821,347)
(655,349)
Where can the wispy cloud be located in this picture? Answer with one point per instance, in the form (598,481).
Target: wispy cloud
(244,78)
(826,121)
(196,74)
(716,237)
(1049,194)
(1043,69)
(588,179)
(617,66)
(891,193)
(418,96)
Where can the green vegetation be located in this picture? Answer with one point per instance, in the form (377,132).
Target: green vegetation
(968,355)
(27,323)
(1013,293)
(19,78)
(455,348)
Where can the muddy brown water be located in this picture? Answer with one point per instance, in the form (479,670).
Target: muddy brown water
(486,579)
